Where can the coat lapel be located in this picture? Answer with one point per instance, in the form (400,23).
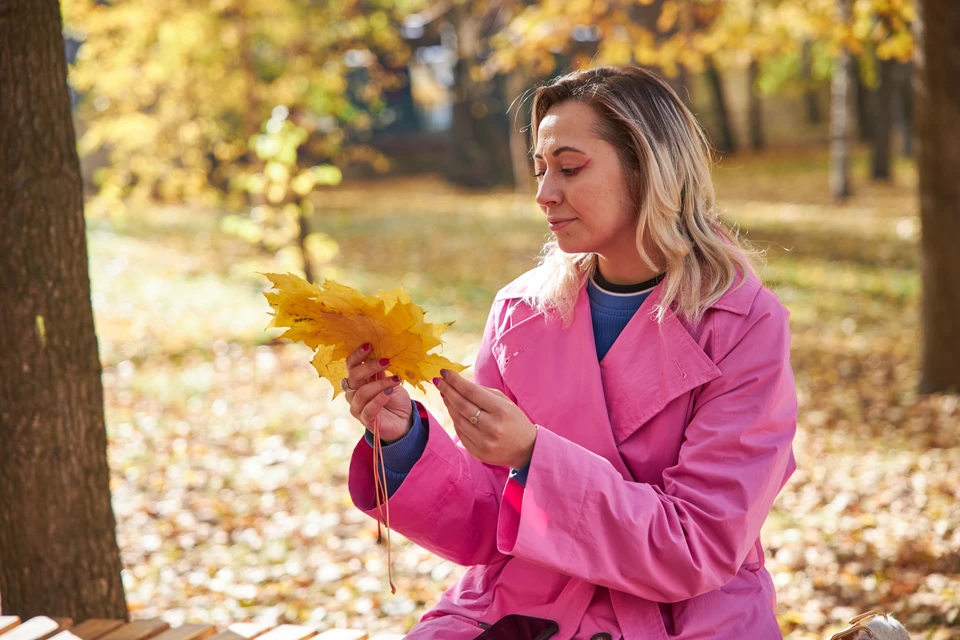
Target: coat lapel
(555,376)
(650,365)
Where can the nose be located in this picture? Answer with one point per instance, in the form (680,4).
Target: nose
(548,193)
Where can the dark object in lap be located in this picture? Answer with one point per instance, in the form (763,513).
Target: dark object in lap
(518,627)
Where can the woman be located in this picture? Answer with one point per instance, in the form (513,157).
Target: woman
(632,409)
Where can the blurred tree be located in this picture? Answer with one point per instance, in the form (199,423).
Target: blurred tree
(481,142)
(285,216)
(58,545)
(937,63)
(727,142)
(176,92)
(841,90)
(809,83)
(881,116)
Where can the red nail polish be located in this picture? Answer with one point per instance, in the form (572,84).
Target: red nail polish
(395,378)
(436,381)
(384,362)
(366,346)
(388,391)
(444,373)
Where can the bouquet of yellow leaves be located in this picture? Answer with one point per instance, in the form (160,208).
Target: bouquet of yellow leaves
(334,320)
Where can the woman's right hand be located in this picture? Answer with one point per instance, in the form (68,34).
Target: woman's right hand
(376,394)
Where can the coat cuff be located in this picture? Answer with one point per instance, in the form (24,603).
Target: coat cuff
(400,456)
(439,461)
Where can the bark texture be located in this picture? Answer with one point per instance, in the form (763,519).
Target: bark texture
(58,549)
(937,103)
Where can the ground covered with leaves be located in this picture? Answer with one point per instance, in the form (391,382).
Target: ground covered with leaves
(229,458)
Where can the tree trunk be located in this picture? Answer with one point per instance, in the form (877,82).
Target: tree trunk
(907,119)
(58,547)
(809,92)
(726,142)
(480,146)
(881,127)
(937,61)
(861,100)
(519,123)
(840,121)
(756,107)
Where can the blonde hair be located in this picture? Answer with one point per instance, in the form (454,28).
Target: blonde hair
(667,157)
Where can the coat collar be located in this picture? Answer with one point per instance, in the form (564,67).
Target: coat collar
(557,380)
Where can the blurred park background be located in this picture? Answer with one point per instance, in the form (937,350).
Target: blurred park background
(385,142)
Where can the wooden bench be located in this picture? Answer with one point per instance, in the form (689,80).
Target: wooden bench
(43,628)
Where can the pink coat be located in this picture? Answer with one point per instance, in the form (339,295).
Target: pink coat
(652,474)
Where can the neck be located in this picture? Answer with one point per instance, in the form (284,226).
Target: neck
(619,273)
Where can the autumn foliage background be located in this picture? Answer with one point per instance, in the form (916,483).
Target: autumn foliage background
(228,138)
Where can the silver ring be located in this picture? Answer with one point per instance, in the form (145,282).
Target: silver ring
(345,385)
(473,420)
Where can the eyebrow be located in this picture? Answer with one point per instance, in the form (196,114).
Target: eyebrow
(560,150)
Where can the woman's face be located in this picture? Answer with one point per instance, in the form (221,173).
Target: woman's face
(582,186)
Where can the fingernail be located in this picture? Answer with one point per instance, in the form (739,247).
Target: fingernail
(366,346)
(384,362)
(444,373)
(388,391)
(395,378)
(436,381)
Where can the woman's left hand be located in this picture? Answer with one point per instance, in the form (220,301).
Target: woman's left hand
(503,435)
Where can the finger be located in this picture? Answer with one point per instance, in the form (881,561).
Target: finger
(461,423)
(368,414)
(467,432)
(358,355)
(477,395)
(368,392)
(454,400)
(366,372)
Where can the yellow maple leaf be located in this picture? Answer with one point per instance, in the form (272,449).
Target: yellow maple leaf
(334,320)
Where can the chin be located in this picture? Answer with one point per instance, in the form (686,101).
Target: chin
(568,246)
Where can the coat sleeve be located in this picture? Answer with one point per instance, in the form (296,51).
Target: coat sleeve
(691,536)
(449,501)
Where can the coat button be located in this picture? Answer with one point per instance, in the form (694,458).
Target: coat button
(601,636)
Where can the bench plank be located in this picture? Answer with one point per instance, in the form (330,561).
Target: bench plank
(188,632)
(248,630)
(227,635)
(8,622)
(95,627)
(32,629)
(288,632)
(342,634)
(138,630)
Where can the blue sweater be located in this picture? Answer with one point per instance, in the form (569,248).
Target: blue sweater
(611,308)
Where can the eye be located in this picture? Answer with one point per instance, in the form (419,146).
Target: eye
(566,172)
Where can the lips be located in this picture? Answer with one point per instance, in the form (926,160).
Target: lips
(558,223)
